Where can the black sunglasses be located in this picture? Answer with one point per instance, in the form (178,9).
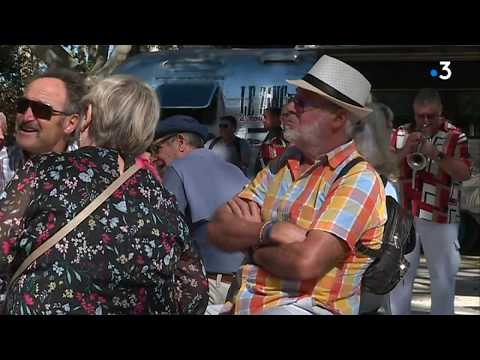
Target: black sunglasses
(223,126)
(39,109)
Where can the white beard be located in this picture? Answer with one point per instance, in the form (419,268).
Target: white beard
(290,135)
(308,134)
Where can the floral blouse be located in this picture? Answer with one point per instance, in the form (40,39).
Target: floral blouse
(122,259)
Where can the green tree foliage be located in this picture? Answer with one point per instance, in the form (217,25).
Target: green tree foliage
(16,65)
(19,62)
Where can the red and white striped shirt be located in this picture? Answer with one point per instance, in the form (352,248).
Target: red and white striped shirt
(435,196)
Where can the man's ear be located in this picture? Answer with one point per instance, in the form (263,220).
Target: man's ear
(87,120)
(340,120)
(181,142)
(71,123)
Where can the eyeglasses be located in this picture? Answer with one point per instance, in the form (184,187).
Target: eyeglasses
(39,109)
(159,143)
(223,126)
(431,116)
(301,104)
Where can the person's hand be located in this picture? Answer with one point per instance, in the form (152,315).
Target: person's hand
(413,140)
(429,150)
(286,233)
(245,209)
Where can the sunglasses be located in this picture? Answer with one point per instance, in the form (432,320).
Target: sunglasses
(430,117)
(39,109)
(301,104)
(158,144)
(223,126)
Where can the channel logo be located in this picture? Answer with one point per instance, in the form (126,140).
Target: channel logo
(446,71)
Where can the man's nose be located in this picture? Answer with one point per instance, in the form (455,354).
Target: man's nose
(28,114)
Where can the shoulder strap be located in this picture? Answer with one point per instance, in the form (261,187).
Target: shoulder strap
(384,180)
(60,234)
(280,161)
(236,142)
(372,253)
(347,167)
(359,246)
(214,142)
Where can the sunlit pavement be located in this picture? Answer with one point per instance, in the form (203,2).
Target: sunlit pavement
(467,292)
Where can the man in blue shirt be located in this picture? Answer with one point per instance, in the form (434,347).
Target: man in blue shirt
(201,181)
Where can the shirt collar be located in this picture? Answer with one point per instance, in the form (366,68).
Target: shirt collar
(334,157)
(340,154)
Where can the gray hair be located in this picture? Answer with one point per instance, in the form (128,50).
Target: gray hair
(194,140)
(76,89)
(74,84)
(427,97)
(125,111)
(372,137)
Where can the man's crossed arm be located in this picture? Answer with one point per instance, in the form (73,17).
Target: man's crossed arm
(291,252)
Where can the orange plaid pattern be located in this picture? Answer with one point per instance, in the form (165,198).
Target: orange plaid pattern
(353,209)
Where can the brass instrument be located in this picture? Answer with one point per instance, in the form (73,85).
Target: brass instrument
(417,160)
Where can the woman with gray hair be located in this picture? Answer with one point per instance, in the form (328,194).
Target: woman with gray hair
(372,137)
(126,257)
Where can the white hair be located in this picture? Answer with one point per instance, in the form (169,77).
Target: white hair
(125,112)
(372,137)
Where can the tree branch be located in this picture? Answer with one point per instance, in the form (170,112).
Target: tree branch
(120,53)
(52,55)
(101,58)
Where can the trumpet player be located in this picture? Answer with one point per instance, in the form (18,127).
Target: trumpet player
(434,160)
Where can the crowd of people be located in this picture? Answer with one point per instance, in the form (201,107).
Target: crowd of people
(185,231)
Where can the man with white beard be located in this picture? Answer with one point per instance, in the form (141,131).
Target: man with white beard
(298,223)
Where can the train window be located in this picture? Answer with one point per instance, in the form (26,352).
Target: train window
(207,115)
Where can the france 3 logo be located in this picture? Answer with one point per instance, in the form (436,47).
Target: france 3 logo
(445,72)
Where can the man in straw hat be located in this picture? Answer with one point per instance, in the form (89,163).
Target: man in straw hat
(298,223)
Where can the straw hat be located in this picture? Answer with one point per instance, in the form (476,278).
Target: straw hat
(338,82)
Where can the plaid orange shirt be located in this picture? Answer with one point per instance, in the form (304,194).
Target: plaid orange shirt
(353,209)
(435,196)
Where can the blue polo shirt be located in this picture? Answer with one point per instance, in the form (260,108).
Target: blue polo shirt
(202,182)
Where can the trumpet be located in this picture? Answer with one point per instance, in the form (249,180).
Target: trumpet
(417,161)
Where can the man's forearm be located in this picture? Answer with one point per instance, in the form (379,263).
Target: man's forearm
(309,259)
(455,168)
(230,233)
(283,261)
